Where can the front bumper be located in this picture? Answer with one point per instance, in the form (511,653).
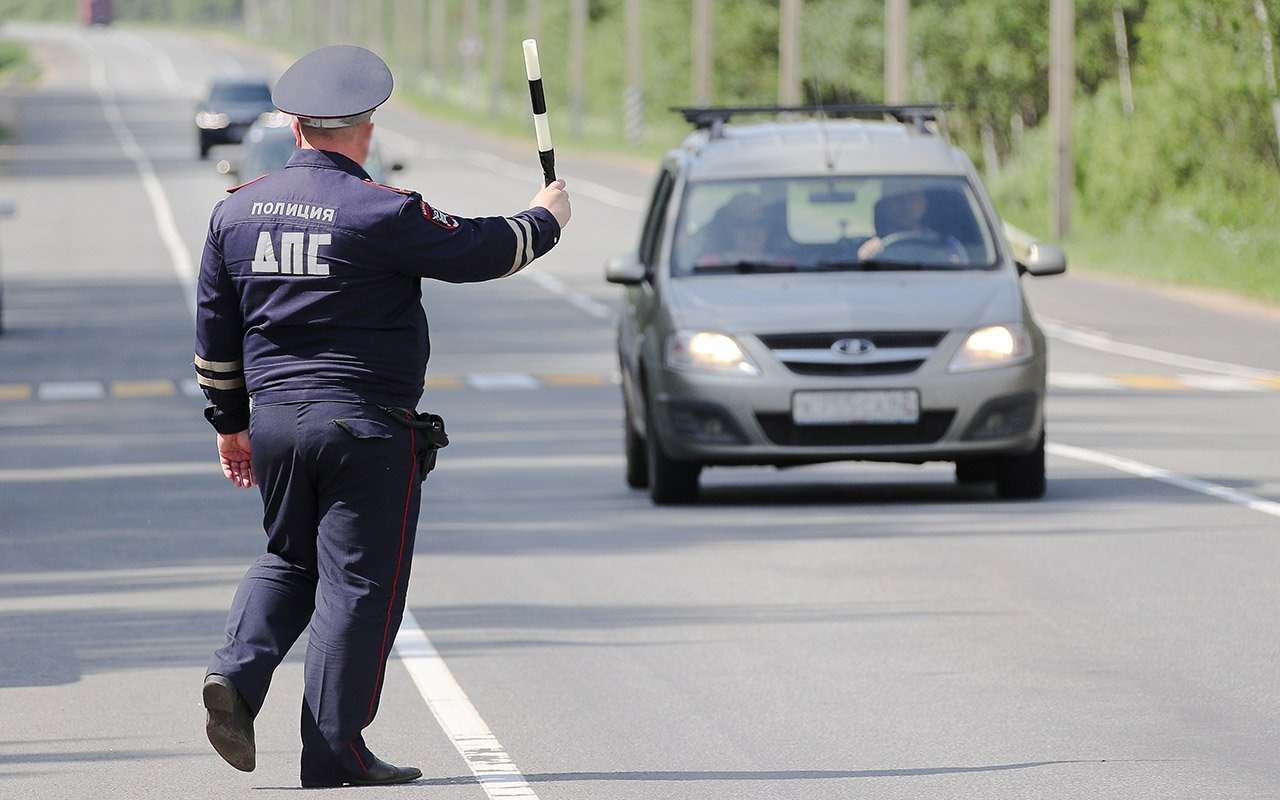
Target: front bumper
(747,420)
(232,134)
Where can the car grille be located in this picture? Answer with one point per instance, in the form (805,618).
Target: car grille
(895,353)
(782,431)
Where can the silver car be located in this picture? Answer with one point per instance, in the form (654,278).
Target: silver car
(815,291)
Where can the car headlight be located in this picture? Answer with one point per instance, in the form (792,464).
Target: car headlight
(212,120)
(993,346)
(705,351)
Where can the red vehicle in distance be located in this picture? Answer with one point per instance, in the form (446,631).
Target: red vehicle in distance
(95,12)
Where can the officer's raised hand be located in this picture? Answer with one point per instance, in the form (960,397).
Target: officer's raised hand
(555,199)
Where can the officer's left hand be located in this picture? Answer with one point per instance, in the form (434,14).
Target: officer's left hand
(235,455)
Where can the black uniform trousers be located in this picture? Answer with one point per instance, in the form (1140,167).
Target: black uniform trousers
(340,486)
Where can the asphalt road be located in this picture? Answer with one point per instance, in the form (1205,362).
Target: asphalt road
(833,632)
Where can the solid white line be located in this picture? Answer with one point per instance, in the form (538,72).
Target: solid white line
(579,300)
(1095,340)
(493,767)
(1249,501)
(179,258)
(168,74)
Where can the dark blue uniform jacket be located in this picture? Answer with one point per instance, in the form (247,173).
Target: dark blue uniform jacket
(310,288)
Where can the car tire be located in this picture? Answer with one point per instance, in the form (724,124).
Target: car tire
(671,482)
(1021,477)
(977,470)
(637,456)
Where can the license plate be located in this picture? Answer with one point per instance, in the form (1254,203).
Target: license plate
(884,407)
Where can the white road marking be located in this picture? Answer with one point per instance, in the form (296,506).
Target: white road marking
(108,471)
(493,767)
(486,381)
(161,469)
(1249,501)
(158,57)
(1221,383)
(1102,342)
(579,300)
(71,390)
(179,258)
(1081,380)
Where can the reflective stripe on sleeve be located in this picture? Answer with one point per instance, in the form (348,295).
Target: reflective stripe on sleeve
(528,241)
(518,230)
(218,366)
(212,383)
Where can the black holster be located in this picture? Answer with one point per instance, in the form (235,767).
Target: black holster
(429,434)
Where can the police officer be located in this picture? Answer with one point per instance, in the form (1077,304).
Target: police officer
(311,346)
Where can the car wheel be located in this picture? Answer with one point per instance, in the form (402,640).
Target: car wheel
(671,482)
(637,457)
(977,470)
(1021,477)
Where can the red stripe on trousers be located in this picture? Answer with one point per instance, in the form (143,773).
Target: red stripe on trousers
(404,521)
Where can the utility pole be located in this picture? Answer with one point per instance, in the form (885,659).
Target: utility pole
(789,52)
(1122,57)
(533,19)
(1062,84)
(471,47)
(633,96)
(1268,62)
(577,65)
(497,35)
(701,52)
(438,31)
(895,51)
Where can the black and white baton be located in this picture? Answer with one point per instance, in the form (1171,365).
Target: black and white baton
(546,153)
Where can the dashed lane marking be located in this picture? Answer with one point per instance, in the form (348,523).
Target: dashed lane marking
(524,381)
(502,380)
(70,390)
(151,388)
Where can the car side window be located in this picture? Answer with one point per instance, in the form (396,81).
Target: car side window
(653,224)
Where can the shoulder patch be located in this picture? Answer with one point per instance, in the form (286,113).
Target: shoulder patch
(395,189)
(438,217)
(238,187)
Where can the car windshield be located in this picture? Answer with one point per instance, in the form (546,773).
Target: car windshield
(240,93)
(874,222)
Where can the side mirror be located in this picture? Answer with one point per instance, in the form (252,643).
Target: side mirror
(397,166)
(625,269)
(1043,259)
(228,168)
(7,208)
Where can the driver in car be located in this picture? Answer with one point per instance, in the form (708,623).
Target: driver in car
(900,221)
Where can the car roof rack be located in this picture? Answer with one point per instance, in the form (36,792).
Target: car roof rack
(714,117)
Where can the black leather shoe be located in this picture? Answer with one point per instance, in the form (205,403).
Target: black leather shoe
(229,723)
(380,773)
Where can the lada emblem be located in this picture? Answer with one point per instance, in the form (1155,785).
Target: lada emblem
(853,347)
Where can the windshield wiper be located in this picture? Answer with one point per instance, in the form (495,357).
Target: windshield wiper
(747,266)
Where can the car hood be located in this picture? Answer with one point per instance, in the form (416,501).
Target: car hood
(845,301)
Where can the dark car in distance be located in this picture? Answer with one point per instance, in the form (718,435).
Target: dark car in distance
(230,108)
(269,144)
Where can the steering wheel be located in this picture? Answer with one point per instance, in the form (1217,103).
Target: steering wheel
(925,246)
